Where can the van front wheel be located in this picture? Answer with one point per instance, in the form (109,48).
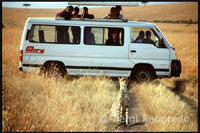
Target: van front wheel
(143,74)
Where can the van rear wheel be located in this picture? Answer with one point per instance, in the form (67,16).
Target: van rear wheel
(143,74)
(55,69)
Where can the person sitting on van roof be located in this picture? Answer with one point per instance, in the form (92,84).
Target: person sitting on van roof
(58,14)
(75,13)
(70,9)
(118,11)
(148,38)
(66,9)
(140,38)
(66,13)
(85,13)
(112,14)
(114,40)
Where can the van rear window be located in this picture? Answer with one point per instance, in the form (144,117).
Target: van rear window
(55,34)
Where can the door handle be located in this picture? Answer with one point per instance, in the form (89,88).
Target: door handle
(133,51)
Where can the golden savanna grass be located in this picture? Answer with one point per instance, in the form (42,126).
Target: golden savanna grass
(164,109)
(38,104)
(33,103)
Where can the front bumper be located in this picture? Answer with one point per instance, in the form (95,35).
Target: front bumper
(175,68)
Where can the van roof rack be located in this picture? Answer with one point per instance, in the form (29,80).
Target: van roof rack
(106,4)
(95,19)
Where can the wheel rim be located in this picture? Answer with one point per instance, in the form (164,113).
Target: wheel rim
(143,75)
(54,70)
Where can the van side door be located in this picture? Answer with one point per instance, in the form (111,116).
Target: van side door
(105,52)
(147,47)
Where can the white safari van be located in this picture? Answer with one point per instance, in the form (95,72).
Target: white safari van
(84,47)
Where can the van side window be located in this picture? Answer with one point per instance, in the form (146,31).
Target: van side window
(55,34)
(104,36)
(146,36)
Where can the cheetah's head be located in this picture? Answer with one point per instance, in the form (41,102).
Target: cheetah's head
(123,82)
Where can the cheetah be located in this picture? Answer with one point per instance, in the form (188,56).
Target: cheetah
(123,101)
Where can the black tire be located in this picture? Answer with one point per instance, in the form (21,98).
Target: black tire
(143,74)
(55,69)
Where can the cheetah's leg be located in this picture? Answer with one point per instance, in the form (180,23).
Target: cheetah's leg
(127,120)
(119,113)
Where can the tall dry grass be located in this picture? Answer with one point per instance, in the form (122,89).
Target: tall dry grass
(184,38)
(34,103)
(164,110)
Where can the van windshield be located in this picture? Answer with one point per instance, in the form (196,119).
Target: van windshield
(164,37)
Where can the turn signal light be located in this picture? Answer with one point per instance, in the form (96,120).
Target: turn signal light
(20,55)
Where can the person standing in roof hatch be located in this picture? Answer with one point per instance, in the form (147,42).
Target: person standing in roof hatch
(118,8)
(75,13)
(66,13)
(85,13)
(112,14)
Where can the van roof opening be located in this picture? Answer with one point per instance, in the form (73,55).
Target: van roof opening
(105,3)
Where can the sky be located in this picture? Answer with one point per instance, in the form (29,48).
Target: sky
(56,4)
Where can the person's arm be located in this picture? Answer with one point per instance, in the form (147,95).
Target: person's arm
(58,14)
(135,39)
(120,16)
(91,16)
(144,41)
(106,16)
(78,16)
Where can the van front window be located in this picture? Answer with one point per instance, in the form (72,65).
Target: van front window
(55,34)
(146,36)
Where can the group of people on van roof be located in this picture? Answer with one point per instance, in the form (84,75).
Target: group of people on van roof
(70,12)
(113,33)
